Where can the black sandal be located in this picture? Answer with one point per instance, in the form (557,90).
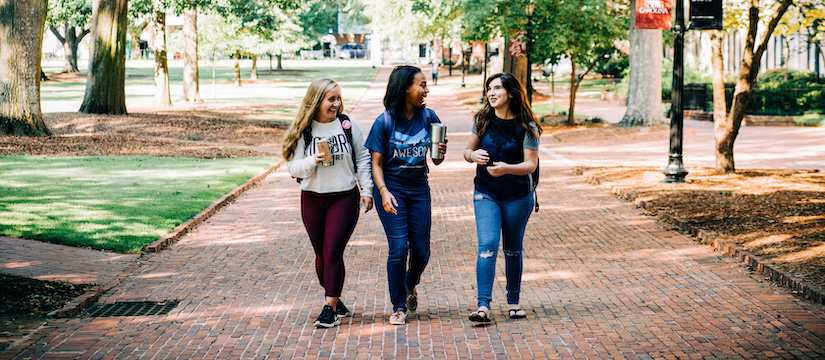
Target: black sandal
(481,315)
(517,313)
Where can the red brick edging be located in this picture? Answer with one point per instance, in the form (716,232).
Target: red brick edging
(76,305)
(190,224)
(796,285)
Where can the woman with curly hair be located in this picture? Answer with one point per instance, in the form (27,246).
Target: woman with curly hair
(504,146)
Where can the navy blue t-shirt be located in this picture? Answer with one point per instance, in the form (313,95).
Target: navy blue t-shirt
(405,154)
(505,141)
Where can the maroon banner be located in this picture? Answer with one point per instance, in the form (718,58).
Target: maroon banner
(478,49)
(653,14)
(518,43)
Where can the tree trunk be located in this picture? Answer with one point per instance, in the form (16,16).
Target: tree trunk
(516,66)
(21,34)
(280,66)
(191,82)
(719,105)
(70,42)
(135,30)
(553,91)
(570,119)
(748,70)
(237,67)
(105,86)
(253,75)
(644,96)
(162,98)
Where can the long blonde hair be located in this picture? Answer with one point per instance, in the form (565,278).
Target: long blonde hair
(309,107)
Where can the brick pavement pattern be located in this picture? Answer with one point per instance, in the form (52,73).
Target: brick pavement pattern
(601,280)
(53,262)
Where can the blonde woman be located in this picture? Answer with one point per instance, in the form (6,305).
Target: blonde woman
(332,191)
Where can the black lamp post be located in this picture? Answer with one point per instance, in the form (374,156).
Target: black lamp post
(464,62)
(675,172)
(529,8)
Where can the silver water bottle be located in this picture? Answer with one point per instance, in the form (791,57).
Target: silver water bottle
(438,132)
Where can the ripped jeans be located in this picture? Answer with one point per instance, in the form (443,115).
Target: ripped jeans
(496,219)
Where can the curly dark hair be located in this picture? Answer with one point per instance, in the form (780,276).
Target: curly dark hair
(519,106)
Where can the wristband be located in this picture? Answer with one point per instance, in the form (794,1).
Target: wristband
(381,187)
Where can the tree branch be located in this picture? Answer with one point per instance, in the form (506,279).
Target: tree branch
(763,42)
(57,34)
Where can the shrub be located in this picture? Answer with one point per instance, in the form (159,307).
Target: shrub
(780,76)
(773,95)
(614,66)
(810,120)
(814,99)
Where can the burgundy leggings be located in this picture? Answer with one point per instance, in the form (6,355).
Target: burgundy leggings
(330,220)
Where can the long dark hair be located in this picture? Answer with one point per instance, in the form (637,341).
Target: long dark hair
(518,103)
(401,79)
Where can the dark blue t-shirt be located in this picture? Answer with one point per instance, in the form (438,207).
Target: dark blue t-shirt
(505,141)
(405,154)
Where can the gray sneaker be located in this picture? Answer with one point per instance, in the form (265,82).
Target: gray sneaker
(399,317)
(412,300)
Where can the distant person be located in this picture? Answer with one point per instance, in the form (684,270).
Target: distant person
(504,145)
(399,140)
(332,191)
(435,72)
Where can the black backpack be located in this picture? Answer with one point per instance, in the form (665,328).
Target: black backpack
(534,181)
(307,134)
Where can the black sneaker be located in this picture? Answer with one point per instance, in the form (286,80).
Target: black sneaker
(328,318)
(342,310)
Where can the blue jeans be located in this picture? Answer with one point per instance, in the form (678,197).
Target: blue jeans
(495,218)
(408,235)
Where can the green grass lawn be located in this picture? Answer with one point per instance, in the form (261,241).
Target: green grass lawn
(547,109)
(278,87)
(111,203)
(123,203)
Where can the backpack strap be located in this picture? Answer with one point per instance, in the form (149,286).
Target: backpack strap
(307,135)
(533,178)
(348,134)
(389,125)
(426,115)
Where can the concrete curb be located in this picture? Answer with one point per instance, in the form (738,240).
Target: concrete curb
(719,243)
(78,304)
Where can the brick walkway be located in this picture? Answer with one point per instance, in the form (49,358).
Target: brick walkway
(600,281)
(53,262)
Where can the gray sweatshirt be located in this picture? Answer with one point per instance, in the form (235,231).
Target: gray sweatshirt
(340,176)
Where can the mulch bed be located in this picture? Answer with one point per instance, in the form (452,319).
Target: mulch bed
(201,131)
(25,303)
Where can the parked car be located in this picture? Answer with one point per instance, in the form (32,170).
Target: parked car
(352,51)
